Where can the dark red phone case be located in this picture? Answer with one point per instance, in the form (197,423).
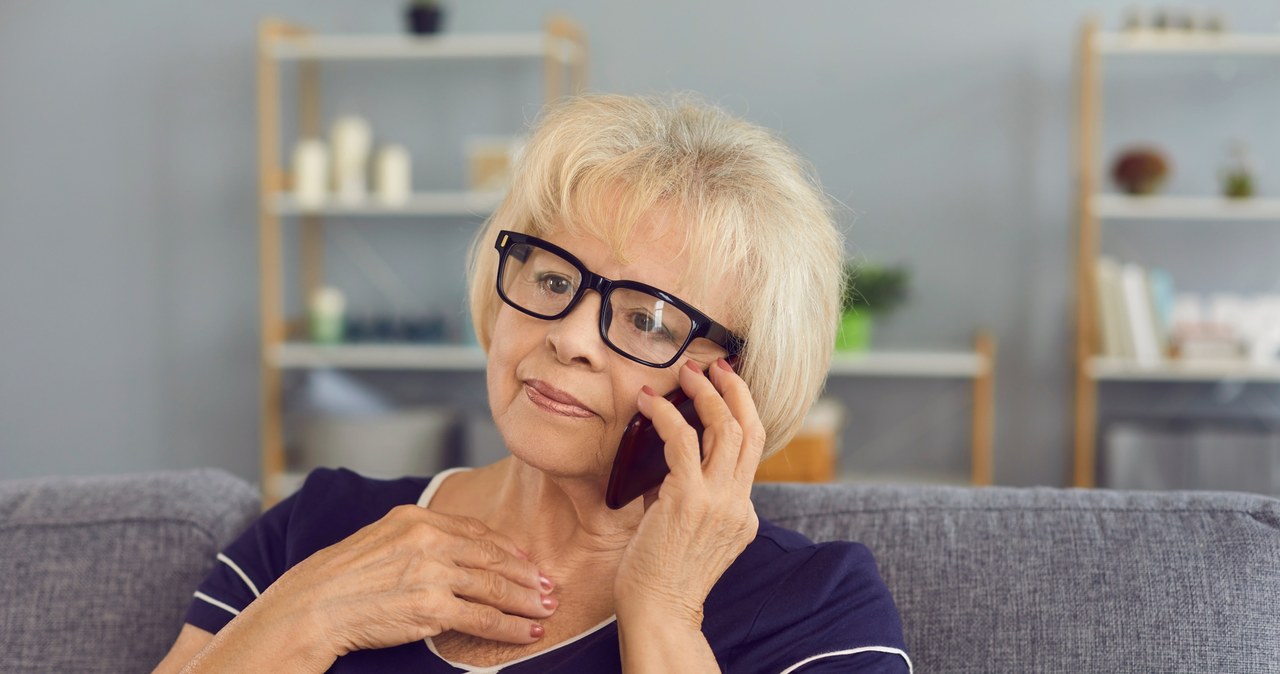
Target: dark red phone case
(641,463)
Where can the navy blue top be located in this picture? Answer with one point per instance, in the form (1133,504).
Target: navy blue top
(785,605)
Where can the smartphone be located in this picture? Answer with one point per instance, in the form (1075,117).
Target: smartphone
(641,463)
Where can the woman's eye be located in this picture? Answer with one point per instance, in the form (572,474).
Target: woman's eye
(556,284)
(644,322)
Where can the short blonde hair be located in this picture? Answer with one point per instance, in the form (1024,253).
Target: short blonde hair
(596,164)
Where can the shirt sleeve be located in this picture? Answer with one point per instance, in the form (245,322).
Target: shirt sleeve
(244,569)
(832,613)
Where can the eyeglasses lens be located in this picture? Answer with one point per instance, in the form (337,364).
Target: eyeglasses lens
(639,323)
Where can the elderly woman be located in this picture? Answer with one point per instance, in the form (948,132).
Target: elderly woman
(645,246)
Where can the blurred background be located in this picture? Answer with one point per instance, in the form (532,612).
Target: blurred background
(133,202)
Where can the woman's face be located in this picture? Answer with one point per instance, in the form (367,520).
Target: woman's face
(538,368)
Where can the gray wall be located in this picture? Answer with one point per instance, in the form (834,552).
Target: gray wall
(128,259)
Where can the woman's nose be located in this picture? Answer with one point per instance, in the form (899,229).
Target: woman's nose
(577,335)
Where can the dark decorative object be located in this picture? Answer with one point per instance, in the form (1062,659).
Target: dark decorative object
(1140,170)
(423,17)
(1161,19)
(1137,20)
(1237,176)
(1134,20)
(387,329)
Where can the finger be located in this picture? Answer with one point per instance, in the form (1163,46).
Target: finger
(733,389)
(680,441)
(492,589)
(487,555)
(475,545)
(722,436)
(488,622)
(469,527)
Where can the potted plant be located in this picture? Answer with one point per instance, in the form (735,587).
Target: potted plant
(869,291)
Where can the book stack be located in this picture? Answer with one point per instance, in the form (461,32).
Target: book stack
(1141,318)
(1135,308)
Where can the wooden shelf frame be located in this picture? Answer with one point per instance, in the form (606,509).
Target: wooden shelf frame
(562,46)
(1093,207)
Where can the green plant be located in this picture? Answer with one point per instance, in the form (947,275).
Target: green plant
(875,289)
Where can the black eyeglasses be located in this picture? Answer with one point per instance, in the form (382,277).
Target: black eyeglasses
(545,281)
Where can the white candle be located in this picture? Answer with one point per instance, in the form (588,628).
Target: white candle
(310,172)
(328,305)
(351,140)
(393,175)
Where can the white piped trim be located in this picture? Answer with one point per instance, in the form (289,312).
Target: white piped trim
(227,560)
(851,651)
(494,669)
(215,602)
(434,485)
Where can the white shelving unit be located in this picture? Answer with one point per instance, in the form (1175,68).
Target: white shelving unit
(1118,369)
(561,47)
(438,358)
(1186,43)
(977,365)
(308,47)
(1095,207)
(1216,209)
(921,364)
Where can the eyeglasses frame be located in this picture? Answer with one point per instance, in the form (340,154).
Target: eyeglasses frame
(702,326)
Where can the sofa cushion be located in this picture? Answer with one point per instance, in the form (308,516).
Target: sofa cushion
(95,572)
(1063,580)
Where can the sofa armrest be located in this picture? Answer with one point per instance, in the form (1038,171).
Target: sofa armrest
(95,572)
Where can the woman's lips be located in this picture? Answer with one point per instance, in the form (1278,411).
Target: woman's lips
(554,400)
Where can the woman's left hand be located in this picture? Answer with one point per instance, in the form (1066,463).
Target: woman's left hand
(701,517)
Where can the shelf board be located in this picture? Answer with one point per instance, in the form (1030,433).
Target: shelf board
(1123,369)
(408,47)
(1176,42)
(460,203)
(944,364)
(452,357)
(916,478)
(437,357)
(1122,207)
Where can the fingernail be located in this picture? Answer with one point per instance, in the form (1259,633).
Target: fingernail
(724,365)
(648,391)
(549,602)
(536,631)
(693,366)
(546,583)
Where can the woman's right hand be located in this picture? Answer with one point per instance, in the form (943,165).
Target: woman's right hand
(414,574)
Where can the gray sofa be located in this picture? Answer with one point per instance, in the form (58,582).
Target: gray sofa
(95,573)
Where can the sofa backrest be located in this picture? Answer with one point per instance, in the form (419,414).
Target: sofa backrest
(1062,580)
(96,572)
